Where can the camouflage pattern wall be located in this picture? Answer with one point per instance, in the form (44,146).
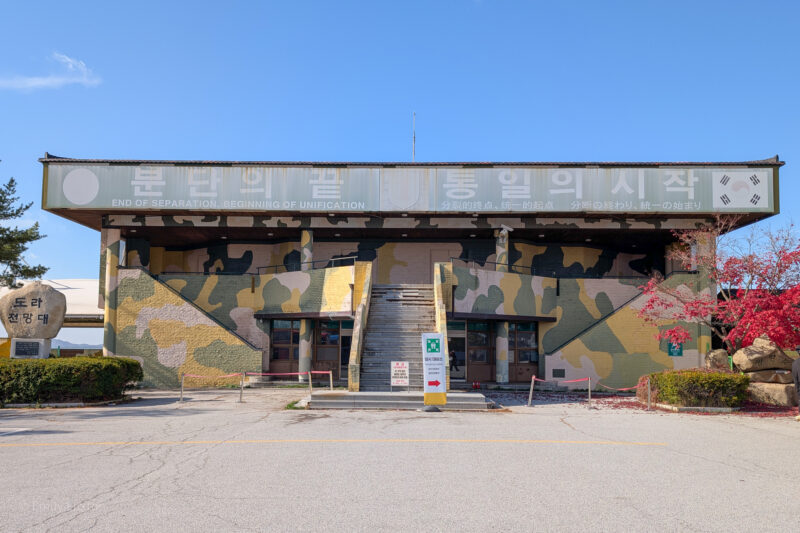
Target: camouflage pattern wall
(620,348)
(393,261)
(169,335)
(597,332)
(590,290)
(482,291)
(583,260)
(233,300)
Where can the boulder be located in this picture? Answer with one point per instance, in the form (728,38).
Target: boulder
(717,360)
(763,354)
(35,311)
(770,376)
(773,394)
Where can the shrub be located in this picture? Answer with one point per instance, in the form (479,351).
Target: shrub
(695,387)
(73,379)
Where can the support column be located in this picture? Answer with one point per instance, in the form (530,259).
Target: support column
(306,338)
(109,268)
(306,249)
(306,325)
(501,328)
(501,352)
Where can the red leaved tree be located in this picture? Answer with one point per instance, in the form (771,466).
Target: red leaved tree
(751,289)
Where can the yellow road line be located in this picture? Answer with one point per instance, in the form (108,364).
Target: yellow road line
(325,441)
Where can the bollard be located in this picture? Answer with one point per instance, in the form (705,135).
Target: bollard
(241,389)
(648,394)
(310,385)
(330,377)
(183,376)
(530,394)
(590,393)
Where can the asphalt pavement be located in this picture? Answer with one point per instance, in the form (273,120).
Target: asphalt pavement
(211,464)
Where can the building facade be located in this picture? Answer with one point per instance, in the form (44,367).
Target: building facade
(528,269)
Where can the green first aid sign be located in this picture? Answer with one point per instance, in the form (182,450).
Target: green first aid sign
(433,346)
(675,350)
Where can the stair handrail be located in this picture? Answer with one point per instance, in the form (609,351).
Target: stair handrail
(359,327)
(185,299)
(612,313)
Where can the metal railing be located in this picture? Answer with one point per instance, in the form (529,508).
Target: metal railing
(295,267)
(291,267)
(520,269)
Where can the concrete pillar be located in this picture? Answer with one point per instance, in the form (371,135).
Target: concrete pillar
(306,325)
(501,328)
(501,249)
(110,261)
(501,352)
(306,249)
(306,342)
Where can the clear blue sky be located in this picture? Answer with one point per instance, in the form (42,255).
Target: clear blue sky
(295,80)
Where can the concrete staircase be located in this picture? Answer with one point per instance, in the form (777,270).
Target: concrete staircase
(398,315)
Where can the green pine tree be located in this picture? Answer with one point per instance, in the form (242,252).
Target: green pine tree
(14,241)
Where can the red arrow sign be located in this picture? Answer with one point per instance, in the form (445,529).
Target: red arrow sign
(434,383)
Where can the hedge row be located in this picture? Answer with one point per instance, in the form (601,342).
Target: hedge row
(72,379)
(695,387)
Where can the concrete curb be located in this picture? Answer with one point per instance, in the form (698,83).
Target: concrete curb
(677,409)
(62,405)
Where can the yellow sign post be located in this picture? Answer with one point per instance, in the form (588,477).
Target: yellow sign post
(434,369)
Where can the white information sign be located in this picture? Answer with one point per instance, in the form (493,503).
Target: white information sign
(434,367)
(399,373)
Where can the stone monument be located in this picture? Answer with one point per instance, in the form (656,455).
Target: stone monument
(32,316)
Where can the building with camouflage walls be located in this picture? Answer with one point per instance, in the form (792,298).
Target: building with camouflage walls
(535,268)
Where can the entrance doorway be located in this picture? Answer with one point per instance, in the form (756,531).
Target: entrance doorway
(285,346)
(457,345)
(523,355)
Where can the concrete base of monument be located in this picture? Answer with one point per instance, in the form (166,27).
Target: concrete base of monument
(456,401)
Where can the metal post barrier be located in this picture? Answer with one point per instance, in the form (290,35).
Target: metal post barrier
(310,385)
(530,394)
(590,393)
(330,378)
(648,393)
(183,376)
(241,389)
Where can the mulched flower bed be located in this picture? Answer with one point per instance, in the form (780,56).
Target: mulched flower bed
(627,401)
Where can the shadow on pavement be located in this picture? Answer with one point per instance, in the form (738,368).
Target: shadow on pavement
(515,399)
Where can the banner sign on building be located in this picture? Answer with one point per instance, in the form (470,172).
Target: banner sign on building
(429,189)
(434,369)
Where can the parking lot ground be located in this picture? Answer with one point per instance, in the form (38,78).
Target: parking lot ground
(211,464)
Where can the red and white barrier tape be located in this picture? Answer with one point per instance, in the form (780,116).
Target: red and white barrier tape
(534,378)
(212,377)
(623,389)
(276,373)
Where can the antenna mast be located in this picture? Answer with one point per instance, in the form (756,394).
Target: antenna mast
(413,136)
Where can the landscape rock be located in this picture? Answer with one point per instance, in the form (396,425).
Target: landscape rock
(717,360)
(763,354)
(34,311)
(773,394)
(770,376)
